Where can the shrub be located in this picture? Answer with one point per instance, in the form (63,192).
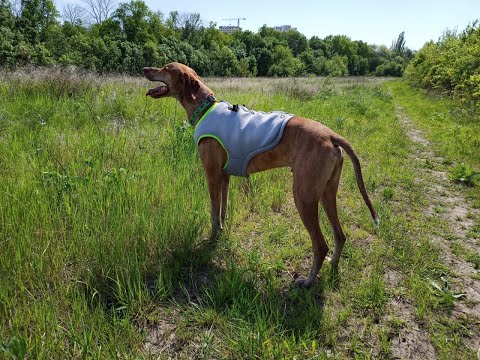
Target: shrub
(450,66)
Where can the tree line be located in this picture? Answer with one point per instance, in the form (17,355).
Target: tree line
(451,65)
(106,37)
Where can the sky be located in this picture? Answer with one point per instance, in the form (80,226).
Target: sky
(372,21)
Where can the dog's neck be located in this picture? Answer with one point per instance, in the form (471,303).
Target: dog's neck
(201,110)
(190,106)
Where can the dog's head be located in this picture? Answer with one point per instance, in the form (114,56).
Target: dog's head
(179,81)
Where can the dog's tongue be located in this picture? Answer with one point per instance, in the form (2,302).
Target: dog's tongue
(158,91)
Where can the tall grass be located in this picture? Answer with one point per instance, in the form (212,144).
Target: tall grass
(91,214)
(104,218)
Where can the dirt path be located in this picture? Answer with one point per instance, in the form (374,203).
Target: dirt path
(450,206)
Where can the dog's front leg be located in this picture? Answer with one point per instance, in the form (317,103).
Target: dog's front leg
(215,190)
(225,182)
(213,157)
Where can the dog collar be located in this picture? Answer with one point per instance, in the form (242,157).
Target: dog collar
(201,109)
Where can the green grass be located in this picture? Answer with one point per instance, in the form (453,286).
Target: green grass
(104,219)
(453,130)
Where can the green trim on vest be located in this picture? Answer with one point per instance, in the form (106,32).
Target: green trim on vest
(206,113)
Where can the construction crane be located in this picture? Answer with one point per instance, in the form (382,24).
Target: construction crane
(238,20)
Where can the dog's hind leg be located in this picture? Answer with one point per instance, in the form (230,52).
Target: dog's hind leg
(329,201)
(309,214)
(307,206)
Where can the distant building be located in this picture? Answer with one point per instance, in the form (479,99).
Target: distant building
(229,29)
(284,28)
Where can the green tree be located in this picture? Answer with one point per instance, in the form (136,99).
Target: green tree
(110,28)
(224,61)
(135,36)
(37,19)
(398,45)
(264,61)
(136,21)
(314,61)
(190,23)
(336,66)
(341,45)
(212,38)
(297,42)
(252,41)
(7,20)
(8,37)
(285,64)
(315,43)
(266,32)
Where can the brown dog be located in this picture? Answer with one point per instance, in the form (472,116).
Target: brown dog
(310,149)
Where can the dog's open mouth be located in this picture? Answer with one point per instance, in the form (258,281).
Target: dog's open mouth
(159,91)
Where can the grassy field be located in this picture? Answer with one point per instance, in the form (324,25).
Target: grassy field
(104,220)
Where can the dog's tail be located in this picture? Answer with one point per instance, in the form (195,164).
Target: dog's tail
(337,140)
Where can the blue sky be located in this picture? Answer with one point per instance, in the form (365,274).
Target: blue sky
(373,21)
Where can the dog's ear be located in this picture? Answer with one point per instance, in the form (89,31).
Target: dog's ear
(191,86)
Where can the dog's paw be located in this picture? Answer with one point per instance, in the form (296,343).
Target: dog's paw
(332,262)
(213,240)
(303,282)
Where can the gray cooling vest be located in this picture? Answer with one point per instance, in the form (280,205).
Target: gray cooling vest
(243,133)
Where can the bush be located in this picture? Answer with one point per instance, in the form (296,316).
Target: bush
(450,66)
(389,68)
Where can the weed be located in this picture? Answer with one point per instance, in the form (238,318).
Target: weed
(474,258)
(14,348)
(441,289)
(429,164)
(462,174)
(339,122)
(381,93)
(388,193)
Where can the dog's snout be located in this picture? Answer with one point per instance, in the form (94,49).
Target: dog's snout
(150,73)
